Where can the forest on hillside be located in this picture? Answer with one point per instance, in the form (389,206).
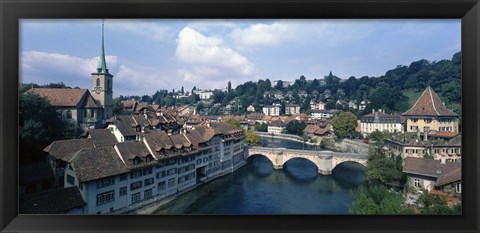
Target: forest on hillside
(395,91)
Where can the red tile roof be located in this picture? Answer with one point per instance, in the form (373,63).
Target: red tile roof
(444,134)
(429,104)
(64,97)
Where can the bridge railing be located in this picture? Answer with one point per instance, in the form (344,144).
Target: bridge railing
(308,152)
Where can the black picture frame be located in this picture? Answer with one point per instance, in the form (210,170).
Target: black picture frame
(11,11)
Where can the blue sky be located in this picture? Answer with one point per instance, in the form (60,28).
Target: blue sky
(147,55)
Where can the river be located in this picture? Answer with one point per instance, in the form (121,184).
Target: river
(259,189)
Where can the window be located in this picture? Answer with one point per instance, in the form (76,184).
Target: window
(181,170)
(108,85)
(171,182)
(148,181)
(148,193)
(123,177)
(70,179)
(69,114)
(458,187)
(160,174)
(135,185)
(161,186)
(416,183)
(135,197)
(84,112)
(135,174)
(181,179)
(98,82)
(92,113)
(80,186)
(105,182)
(123,191)
(105,197)
(147,171)
(171,171)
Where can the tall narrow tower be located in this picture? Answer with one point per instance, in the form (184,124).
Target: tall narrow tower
(102,83)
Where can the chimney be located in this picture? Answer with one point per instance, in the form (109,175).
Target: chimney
(208,124)
(418,133)
(442,160)
(426,131)
(146,116)
(373,110)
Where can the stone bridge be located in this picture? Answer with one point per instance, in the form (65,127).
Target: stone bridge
(325,161)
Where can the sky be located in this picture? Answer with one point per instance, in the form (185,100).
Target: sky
(147,55)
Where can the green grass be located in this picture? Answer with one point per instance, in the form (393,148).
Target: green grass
(412,96)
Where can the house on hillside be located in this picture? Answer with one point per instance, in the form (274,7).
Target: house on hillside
(292,109)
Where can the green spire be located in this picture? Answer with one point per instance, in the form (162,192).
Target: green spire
(102,66)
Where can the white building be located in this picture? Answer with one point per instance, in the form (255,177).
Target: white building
(317,106)
(205,95)
(323,114)
(133,174)
(382,122)
(271,110)
(250,109)
(292,109)
(276,127)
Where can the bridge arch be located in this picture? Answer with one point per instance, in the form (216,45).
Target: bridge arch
(251,157)
(337,161)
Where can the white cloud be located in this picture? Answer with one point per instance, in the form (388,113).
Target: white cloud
(263,34)
(211,63)
(129,79)
(42,67)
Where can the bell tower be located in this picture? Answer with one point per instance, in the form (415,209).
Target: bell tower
(102,83)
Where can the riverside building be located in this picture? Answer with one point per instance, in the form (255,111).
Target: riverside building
(129,175)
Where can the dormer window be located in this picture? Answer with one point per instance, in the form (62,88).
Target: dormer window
(136,161)
(149,158)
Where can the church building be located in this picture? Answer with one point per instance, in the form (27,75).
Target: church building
(83,108)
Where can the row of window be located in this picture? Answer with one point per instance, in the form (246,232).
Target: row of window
(186,168)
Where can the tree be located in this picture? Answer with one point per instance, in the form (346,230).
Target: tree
(234,122)
(262,127)
(200,107)
(252,137)
(39,125)
(117,107)
(229,87)
(383,170)
(296,127)
(344,125)
(376,200)
(279,85)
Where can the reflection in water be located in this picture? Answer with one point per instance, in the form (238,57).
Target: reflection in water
(259,189)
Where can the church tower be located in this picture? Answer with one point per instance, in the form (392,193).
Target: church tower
(102,83)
